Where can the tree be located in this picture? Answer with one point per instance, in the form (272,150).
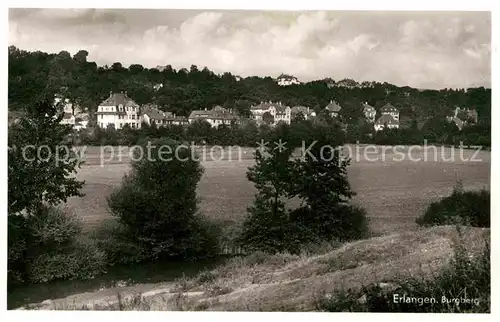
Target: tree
(320,181)
(41,161)
(81,56)
(200,131)
(44,243)
(265,227)
(157,206)
(268,118)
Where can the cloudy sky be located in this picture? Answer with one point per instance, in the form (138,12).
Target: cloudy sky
(419,49)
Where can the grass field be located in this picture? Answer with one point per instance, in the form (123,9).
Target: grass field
(393,193)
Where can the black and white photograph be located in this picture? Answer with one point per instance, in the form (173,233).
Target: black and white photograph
(249,160)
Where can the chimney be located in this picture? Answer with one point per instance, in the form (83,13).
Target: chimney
(125,93)
(205,108)
(110,93)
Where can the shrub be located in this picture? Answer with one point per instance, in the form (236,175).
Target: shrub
(318,179)
(112,237)
(80,260)
(466,277)
(462,207)
(156,207)
(52,248)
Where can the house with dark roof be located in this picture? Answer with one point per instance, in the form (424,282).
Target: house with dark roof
(389,109)
(369,112)
(333,108)
(117,110)
(68,119)
(280,112)
(215,116)
(285,80)
(151,114)
(386,121)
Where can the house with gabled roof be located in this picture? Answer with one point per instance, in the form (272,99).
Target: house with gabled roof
(386,121)
(333,108)
(68,119)
(389,109)
(215,116)
(151,114)
(117,110)
(369,112)
(280,112)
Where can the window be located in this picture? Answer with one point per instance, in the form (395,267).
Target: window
(121,125)
(133,125)
(102,116)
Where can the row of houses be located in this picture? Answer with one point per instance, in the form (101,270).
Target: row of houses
(280,113)
(119,110)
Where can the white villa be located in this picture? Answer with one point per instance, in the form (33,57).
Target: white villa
(369,112)
(280,112)
(389,109)
(117,110)
(386,121)
(285,80)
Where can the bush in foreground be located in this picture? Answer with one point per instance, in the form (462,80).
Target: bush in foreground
(462,207)
(52,247)
(467,277)
(157,208)
(318,179)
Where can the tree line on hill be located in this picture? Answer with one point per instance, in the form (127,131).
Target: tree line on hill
(184,90)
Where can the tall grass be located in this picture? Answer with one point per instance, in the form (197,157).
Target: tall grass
(462,287)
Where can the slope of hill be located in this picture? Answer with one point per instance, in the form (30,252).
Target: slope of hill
(284,282)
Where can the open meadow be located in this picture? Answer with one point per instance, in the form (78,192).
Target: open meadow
(393,192)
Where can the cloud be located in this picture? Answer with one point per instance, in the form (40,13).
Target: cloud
(432,50)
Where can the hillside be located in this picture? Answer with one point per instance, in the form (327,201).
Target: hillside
(289,283)
(32,74)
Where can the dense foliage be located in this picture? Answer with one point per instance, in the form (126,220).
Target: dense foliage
(40,160)
(157,208)
(44,243)
(57,250)
(318,178)
(461,207)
